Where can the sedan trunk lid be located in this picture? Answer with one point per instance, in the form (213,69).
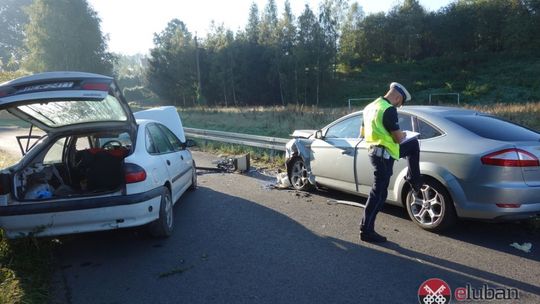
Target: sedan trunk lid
(59,101)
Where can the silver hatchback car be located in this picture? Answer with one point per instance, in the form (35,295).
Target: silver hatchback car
(474,165)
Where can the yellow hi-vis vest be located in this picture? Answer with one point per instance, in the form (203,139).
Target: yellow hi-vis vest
(374,131)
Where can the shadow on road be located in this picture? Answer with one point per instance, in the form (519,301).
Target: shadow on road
(226,249)
(492,235)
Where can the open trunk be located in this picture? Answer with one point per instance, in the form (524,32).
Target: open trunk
(75,165)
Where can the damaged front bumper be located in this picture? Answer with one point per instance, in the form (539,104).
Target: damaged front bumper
(299,148)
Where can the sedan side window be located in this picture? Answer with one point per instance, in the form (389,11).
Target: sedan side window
(173,140)
(405,122)
(150,147)
(348,128)
(426,130)
(55,153)
(161,143)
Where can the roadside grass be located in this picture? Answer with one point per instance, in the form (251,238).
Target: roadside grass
(282,121)
(25,269)
(24,263)
(526,114)
(275,121)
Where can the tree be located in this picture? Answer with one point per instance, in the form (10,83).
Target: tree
(288,65)
(349,46)
(252,27)
(12,22)
(65,35)
(406,29)
(307,51)
(172,74)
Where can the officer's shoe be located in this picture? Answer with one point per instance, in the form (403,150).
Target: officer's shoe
(372,237)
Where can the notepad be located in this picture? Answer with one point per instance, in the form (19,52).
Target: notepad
(408,136)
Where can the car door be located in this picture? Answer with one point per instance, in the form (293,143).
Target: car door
(364,169)
(169,158)
(333,156)
(181,162)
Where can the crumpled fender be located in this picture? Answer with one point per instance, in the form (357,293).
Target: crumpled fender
(296,147)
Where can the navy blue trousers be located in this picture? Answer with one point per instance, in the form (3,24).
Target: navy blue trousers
(382,171)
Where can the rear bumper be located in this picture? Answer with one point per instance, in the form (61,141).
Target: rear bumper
(482,202)
(80,215)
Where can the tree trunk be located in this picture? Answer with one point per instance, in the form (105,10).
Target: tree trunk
(225,93)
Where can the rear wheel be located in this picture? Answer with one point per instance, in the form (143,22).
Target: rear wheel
(299,176)
(164,225)
(434,209)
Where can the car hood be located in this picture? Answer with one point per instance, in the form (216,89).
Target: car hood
(168,116)
(303,133)
(60,101)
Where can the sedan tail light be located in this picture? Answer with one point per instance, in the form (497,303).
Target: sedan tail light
(511,158)
(134,173)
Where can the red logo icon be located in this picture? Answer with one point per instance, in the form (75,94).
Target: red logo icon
(434,291)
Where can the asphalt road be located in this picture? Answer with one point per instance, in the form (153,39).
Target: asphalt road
(236,240)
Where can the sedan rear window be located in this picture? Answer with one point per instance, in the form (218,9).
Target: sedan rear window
(66,112)
(495,128)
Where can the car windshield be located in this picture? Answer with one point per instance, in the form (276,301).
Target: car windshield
(67,112)
(495,128)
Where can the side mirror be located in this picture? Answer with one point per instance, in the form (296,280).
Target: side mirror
(318,134)
(190,143)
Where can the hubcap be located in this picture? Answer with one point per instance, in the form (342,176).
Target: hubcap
(168,211)
(299,175)
(427,209)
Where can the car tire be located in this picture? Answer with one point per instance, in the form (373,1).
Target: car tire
(193,177)
(164,225)
(434,211)
(298,175)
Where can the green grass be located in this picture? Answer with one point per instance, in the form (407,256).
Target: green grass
(24,263)
(25,269)
(269,121)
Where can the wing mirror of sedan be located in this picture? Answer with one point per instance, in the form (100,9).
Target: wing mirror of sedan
(318,134)
(190,143)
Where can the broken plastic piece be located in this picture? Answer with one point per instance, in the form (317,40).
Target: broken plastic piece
(282,180)
(526,247)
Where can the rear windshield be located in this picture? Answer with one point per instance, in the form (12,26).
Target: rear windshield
(67,112)
(495,128)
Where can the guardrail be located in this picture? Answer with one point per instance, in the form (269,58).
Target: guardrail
(273,143)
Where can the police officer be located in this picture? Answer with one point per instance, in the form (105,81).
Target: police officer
(381,132)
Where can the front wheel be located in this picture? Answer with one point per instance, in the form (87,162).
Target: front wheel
(163,226)
(299,176)
(433,210)
(193,177)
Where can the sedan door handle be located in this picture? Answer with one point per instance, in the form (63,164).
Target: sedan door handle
(168,162)
(347,152)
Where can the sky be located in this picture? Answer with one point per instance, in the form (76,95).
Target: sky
(131,24)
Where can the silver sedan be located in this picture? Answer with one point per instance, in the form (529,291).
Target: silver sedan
(474,165)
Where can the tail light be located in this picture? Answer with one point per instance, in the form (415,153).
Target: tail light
(134,173)
(508,205)
(95,86)
(511,158)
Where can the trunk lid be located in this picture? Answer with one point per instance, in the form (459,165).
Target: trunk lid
(531,174)
(59,101)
